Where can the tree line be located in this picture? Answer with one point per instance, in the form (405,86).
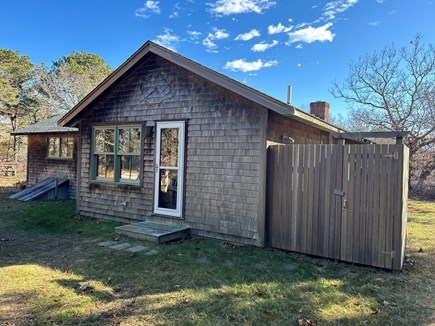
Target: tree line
(30,93)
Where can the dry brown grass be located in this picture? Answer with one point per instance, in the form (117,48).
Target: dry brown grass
(8,181)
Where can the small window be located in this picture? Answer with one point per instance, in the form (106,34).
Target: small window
(116,154)
(60,147)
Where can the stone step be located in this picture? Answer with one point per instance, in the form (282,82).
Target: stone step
(153,232)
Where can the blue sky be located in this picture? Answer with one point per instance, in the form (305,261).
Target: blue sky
(266,44)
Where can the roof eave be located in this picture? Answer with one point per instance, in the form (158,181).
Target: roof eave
(24,133)
(314,121)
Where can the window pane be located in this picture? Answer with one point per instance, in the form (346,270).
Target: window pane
(169,147)
(109,140)
(105,166)
(101,165)
(99,141)
(104,140)
(129,140)
(168,189)
(67,147)
(124,140)
(130,167)
(110,167)
(53,146)
(135,140)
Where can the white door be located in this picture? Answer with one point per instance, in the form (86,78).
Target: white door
(168,191)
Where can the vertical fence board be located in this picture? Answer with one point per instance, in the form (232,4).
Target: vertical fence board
(300,181)
(339,201)
(311,172)
(352,207)
(315,221)
(306,198)
(397,222)
(389,216)
(321,201)
(294,187)
(328,202)
(344,202)
(286,232)
(376,203)
(369,212)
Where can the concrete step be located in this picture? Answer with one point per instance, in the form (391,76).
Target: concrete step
(153,232)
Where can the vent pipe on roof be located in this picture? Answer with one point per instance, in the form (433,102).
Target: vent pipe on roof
(289,94)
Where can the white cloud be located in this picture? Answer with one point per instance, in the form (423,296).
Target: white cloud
(231,7)
(218,34)
(175,11)
(149,7)
(374,24)
(334,7)
(311,34)
(299,46)
(261,47)
(194,35)
(299,65)
(380,1)
(246,66)
(280,28)
(168,40)
(248,36)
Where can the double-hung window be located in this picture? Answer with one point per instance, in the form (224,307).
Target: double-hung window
(60,147)
(116,154)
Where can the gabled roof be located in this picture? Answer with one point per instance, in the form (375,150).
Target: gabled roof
(45,127)
(200,70)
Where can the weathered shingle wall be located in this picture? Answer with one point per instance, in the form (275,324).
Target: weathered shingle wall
(281,129)
(223,145)
(40,167)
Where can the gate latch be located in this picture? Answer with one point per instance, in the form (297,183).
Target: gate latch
(340,193)
(394,155)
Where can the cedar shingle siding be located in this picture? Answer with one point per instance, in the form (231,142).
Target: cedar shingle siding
(40,167)
(223,148)
(279,126)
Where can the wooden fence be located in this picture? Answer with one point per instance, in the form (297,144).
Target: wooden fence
(346,202)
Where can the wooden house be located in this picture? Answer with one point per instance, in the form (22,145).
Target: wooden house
(167,140)
(51,152)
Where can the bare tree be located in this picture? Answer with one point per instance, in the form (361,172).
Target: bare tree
(71,78)
(394,89)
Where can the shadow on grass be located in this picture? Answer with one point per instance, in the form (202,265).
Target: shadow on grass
(194,282)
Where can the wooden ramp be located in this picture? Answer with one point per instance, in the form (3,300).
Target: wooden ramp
(153,232)
(48,189)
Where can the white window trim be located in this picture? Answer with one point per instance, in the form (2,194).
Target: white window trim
(180,180)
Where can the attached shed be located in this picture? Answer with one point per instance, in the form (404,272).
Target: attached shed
(51,152)
(167,140)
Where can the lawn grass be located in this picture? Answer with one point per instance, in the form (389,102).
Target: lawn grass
(53,272)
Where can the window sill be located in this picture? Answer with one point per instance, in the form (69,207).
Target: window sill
(60,158)
(99,184)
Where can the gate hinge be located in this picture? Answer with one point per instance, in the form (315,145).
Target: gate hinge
(394,155)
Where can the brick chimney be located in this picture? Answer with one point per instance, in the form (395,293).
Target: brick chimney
(320,109)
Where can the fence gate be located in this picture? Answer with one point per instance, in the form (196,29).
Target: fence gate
(347,202)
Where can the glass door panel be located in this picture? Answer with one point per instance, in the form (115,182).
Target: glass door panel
(169,168)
